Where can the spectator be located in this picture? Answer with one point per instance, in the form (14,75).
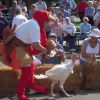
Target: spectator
(12,9)
(85,28)
(90,47)
(2,7)
(4,28)
(62,20)
(65,4)
(69,34)
(89,12)
(24,12)
(67,13)
(18,19)
(81,6)
(96,4)
(97,17)
(21,3)
(4,33)
(72,4)
(51,11)
(57,55)
(57,29)
(41,5)
(32,10)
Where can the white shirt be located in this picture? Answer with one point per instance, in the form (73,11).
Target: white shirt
(29,32)
(41,6)
(70,28)
(90,50)
(18,19)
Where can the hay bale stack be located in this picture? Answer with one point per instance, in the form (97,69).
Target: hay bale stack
(72,83)
(8,81)
(91,75)
(74,80)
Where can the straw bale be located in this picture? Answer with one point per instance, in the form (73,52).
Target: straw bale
(42,68)
(8,81)
(91,67)
(91,75)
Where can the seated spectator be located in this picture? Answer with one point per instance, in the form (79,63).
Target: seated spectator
(69,34)
(57,29)
(51,11)
(81,6)
(72,4)
(66,12)
(89,12)
(21,3)
(41,5)
(2,7)
(97,17)
(90,47)
(56,55)
(12,9)
(24,12)
(4,28)
(65,4)
(32,10)
(85,28)
(4,33)
(62,21)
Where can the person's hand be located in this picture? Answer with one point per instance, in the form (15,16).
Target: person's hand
(93,57)
(60,52)
(51,45)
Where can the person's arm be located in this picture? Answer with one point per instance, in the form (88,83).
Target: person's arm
(13,31)
(6,33)
(81,30)
(38,46)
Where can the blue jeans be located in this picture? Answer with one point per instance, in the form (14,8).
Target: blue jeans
(60,40)
(71,40)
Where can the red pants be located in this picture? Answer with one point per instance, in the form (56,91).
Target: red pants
(27,79)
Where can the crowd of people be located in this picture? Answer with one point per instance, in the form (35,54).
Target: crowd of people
(31,31)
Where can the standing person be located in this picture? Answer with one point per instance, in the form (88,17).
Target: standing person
(41,5)
(28,33)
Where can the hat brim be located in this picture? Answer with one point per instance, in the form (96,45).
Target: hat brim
(93,35)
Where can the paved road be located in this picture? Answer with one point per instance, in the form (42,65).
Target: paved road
(82,95)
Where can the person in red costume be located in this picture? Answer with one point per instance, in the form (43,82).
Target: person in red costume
(31,33)
(43,36)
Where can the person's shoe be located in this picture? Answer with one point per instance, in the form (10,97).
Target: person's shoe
(32,92)
(23,97)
